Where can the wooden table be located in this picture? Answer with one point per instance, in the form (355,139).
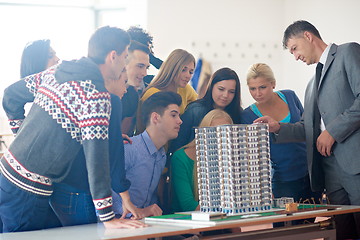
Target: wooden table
(97,231)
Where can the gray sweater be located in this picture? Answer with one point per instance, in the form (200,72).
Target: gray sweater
(71,112)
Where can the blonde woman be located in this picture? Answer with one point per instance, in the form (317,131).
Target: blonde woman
(174,75)
(289,163)
(183,167)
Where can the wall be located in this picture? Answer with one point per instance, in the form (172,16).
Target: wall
(233,33)
(238,33)
(69,35)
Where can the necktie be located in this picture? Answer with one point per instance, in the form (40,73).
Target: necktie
(319,68)
(316,95)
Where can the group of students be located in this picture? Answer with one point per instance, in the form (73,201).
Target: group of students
(70,150)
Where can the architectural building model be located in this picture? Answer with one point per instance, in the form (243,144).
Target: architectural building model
(233,168)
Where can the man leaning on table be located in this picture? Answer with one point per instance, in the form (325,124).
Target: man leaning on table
(70,114)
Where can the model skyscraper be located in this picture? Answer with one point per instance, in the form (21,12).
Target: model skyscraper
(233,167)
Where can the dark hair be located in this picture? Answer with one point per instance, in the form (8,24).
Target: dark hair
(107,39)
(138,34)
(158,102)
(135,45)
(297,28)
(234,108)
(35,57)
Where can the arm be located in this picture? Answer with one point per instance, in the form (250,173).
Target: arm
(325,141)
(18,94)
(96,150)
(152,210)
(15,98)
(123,223)
(119,183)
(129,207)
(284,132)
(182,183)
(156,62)
(345,124)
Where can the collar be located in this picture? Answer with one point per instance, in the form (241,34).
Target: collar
(150,144)
(325,54)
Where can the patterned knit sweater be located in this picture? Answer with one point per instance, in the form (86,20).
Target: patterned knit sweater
(71,112)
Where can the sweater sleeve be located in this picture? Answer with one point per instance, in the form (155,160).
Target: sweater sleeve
(156,62)
(18,94)
(182,181)
(119,183)
(15,98)
(94,125)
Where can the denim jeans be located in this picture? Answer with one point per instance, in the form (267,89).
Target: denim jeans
(72,206)
(21,210)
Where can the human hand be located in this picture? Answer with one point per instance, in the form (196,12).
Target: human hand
(126,139)
(324,143)
(153,210)
(129,207)
(274,126)
(123,223)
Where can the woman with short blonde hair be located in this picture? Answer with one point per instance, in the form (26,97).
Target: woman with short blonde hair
(289,163)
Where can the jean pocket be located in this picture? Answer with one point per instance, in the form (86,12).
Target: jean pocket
(64,202)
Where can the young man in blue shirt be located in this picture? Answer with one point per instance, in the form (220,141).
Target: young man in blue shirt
(145,158)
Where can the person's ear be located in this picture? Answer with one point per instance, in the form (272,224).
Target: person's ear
(154,117)
(273,84)
(112,56)
(308,36)
(109,57)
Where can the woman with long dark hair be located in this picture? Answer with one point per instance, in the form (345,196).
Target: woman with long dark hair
(223,92)
(36,57)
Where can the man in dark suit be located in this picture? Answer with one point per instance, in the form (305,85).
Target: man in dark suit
(331,120)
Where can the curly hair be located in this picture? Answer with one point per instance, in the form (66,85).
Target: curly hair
(139,34)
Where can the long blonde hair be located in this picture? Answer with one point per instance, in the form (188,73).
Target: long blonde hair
(206,122)
(171,68)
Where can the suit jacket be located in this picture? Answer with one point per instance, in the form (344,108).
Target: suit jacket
(339,105)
